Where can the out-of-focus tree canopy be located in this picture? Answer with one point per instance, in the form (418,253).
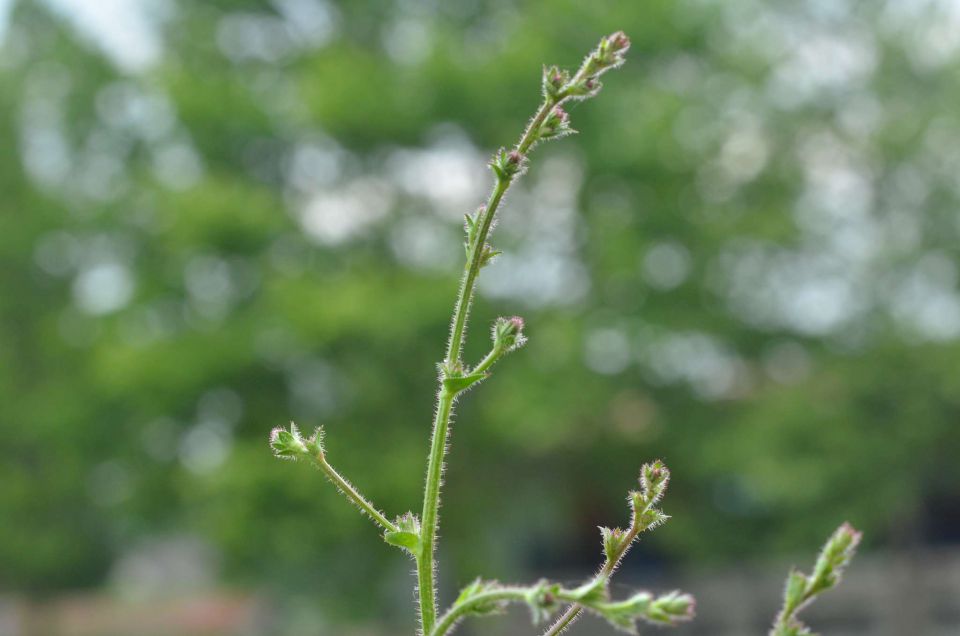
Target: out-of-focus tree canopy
(235,214)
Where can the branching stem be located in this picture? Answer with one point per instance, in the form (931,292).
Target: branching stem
(445,397)
(606,571)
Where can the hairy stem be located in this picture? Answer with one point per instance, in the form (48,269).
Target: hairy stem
(351,493)
(458,611)
(441,423)
(431,503)
(606,571)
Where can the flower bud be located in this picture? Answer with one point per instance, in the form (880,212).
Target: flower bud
(588,87)
(654,478)
(556,124)
(619,42)
(554,80)
(671,608)
(834,558)
(542,600)
(611,51)
(287,444)
(508,333)
(613,542)
(508,163)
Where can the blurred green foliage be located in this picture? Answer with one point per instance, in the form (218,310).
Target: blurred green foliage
(746,264)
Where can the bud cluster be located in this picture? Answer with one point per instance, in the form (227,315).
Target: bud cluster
(654,478)
(801,588)
(290,444)
(667,609)
(609,54)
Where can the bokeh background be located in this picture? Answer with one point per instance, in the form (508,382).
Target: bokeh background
(220,216)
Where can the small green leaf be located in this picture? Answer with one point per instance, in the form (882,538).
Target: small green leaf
(407,534)
(315,442)
(488,254)
(471,223)
(458,383)
(407,540)
(795,590)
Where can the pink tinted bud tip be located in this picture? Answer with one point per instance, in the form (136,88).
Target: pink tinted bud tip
(561,114)
(514,157)
(852,532)
(517,323)
(619,41)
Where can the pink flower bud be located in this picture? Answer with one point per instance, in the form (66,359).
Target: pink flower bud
(619,41)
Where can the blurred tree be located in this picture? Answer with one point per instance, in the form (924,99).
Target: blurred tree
(748,268)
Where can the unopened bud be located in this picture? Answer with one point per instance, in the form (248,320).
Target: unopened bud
(508,333)
(287,444)
(654,478)
(556,124)
(618,41)
(554,80)
(507,163)
(673,607)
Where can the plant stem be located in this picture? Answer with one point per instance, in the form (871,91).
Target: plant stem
(609,567)
(431,502)
(449,619)
(351,493)
(445,398)
(507,593)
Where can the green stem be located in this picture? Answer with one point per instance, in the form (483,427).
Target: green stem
(488,361)
(455,613)
(351,493)
(510,593)
(441,424)
(431,501)
(609,567)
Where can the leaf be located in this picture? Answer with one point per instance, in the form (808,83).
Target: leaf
(460,383)
(488,255)
(407,534)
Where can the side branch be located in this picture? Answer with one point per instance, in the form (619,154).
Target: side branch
(351,493)
(654,479)
(290,444)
